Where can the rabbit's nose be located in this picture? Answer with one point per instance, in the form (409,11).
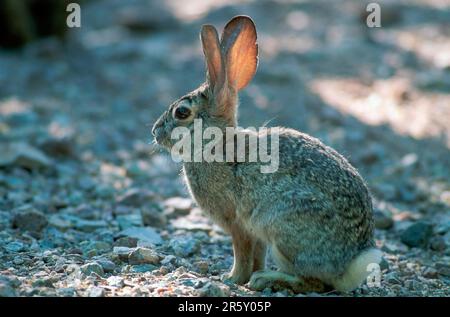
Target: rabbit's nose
(154,130)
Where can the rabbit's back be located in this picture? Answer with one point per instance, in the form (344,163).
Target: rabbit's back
(315,210)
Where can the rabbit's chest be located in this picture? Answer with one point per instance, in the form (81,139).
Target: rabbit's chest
(213,192)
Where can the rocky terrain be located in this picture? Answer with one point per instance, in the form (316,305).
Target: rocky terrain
(89,207)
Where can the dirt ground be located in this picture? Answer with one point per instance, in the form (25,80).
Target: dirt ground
(88,207)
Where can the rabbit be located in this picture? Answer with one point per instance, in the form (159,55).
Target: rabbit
(314,213)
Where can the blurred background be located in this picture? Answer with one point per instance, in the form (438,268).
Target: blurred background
(77,167)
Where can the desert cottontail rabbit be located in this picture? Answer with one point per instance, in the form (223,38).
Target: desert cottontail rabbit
(314,212)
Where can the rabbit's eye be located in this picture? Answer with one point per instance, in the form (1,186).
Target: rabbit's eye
(203,95)
(182,113)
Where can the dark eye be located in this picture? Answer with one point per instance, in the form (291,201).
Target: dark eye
(182,112)
(203,95)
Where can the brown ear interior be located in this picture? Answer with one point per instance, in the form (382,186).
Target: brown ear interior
(240,51)
(213,56)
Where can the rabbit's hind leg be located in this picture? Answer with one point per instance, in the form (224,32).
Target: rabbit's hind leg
(277,281)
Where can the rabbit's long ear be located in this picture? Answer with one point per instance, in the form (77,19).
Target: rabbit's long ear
(213,56)
(239,51)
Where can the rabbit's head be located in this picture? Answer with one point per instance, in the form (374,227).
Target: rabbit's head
(231,64)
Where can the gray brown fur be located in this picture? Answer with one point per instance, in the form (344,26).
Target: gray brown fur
(315,212)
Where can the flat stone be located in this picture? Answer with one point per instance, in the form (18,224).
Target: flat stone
(89,225)
(382,220)
(128,242)
(23,155)
(143,256)
(29,219)
(122,252)
(146,234)
(96,292)
(417,235)
(93,267)
(6,290)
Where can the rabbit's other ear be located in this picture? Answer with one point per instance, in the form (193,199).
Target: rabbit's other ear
(240,51)
(213,57)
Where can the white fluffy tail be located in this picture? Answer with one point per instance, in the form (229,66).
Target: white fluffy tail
(357,270)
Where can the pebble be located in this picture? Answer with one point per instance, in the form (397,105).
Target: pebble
(417,235)
(6,290)
(128,242)
(142,268)
(213,289)
(202,266)
(89,225)
(107,265)
(430,272)
(443,268)
(127,221)
(23,155)
(143,256)
(29,219)
(96,292)
(382,220)
(135,197)
(115,281)
(93,248)
(152,215)
(438,243)
(146,234)
(122,252)
(15,246)
(184,246)
(93,267)
(178,206)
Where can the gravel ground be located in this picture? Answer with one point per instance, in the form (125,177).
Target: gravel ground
(89,208)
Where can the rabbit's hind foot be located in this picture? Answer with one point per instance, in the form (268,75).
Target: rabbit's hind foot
(278,281)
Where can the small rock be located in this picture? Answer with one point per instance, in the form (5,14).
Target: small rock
(96,292)
(93,267)
(382,220)
(93,248)
(392,278)
(384,264)
(178,205)
(115,281)
(23,155)
(29,219)
(135,197)
(107,265)
(142,268)
(170,259)
(202,266)
(146,234)
(417,235)
(59,222)
(15,246)
(122,252)
(438,243)
(143,256)
(6,290)
(152,215)
(58,147)
(43,282)
(89,225)
(184,246)
(127,221)
(212,289)
(85,211)
(430,273)
(443,269)
(128,242)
